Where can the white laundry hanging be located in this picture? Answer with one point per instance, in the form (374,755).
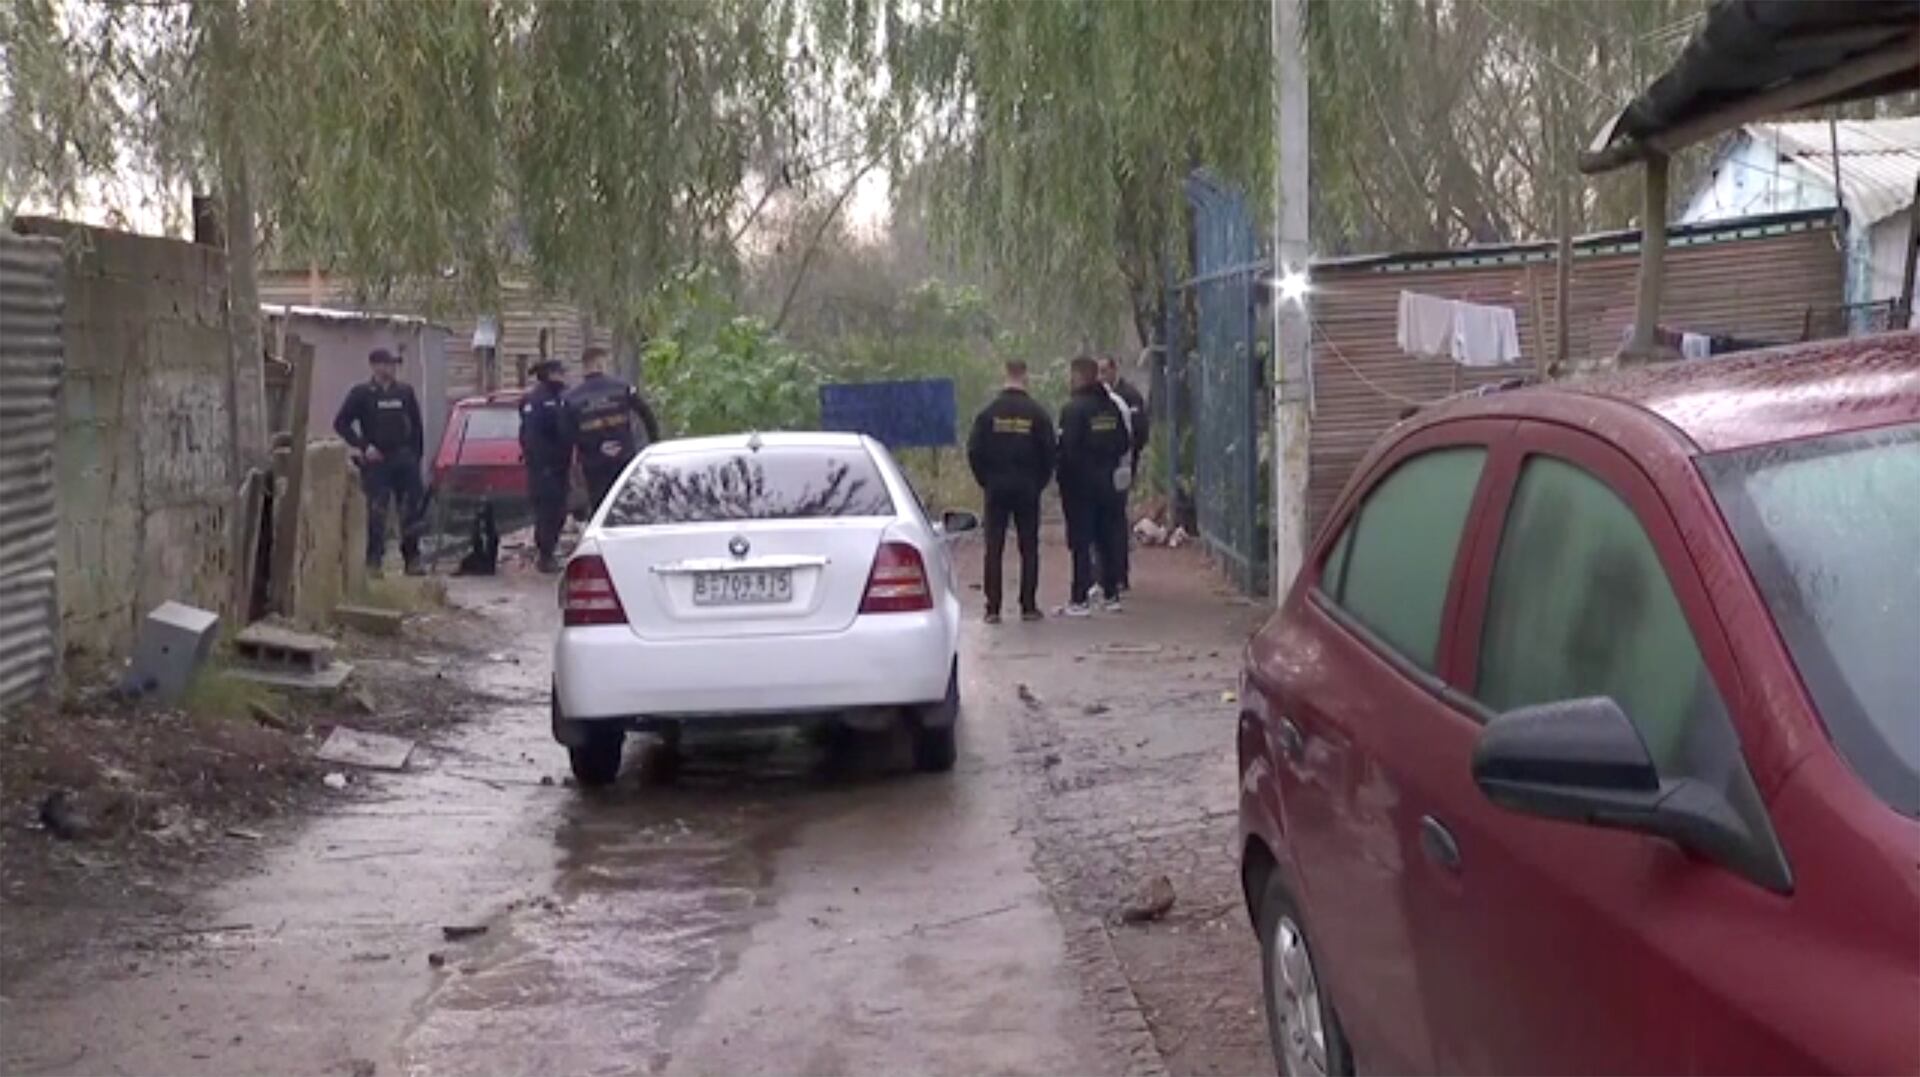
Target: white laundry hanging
(1471,334)
(1426,325)
(1485,336)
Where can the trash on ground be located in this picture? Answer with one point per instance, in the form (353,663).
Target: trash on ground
(335,780)
(1027,696)
(1229,697)
(375,751)
(1154,901)
(456,932)
(1149,533)
(436,959)
(1094,709)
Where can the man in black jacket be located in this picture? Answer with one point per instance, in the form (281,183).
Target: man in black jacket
(1137,428)
(1011,453)
(600,414)
(548,453)
(380,421)
(1094,443)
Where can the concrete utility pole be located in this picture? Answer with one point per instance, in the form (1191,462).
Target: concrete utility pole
(1292,331)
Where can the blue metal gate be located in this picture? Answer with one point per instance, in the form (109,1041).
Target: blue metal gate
(1225,380)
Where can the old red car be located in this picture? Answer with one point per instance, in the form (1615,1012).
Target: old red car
(1588,738)
(479,465)
(479,455)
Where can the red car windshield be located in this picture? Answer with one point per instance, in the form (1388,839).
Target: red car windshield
(1828,526)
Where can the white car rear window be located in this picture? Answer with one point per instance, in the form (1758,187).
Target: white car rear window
(770,484)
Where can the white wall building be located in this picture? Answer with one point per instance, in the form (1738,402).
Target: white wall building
(1781,167)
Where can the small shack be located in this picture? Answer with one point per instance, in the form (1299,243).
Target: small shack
(341,340)
(1782,167)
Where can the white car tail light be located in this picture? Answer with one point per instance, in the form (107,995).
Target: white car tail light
(587,596)
(898,583)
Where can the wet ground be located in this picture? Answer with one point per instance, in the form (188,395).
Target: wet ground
(780,908)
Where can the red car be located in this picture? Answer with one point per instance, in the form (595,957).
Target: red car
(1588,738)
(479,462)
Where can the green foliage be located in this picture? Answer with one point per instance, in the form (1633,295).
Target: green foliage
(710,375)
(413,142)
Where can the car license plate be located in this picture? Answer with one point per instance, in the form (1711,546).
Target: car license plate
(744,588)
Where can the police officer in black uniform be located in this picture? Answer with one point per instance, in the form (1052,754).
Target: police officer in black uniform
(1093,443)
(1010,450)
(1139,427)
(600,414)
(548,453)
(380,421)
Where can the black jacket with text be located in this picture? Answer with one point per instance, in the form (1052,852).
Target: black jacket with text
(1093,441)
(1010,448)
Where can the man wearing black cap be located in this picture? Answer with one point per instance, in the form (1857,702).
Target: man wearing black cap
(380,420)
(548,452)
(600,414)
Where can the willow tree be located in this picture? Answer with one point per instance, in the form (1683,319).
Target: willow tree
(1053,139)
(1445,121)
(412,144)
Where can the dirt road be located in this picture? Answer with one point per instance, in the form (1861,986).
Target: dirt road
(776,910)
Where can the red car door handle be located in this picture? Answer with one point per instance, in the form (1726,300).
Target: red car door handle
(1291,741)
(1437,842)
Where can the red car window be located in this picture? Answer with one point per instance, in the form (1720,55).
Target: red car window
(491,424)
(1391,567)
(1579,606)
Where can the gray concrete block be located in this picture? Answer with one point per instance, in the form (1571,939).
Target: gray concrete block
(175,640)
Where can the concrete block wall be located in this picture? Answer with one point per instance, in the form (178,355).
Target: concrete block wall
(145,495)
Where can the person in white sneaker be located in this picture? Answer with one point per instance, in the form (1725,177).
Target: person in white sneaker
(1094,447)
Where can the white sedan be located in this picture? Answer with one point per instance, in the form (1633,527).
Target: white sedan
(755,579)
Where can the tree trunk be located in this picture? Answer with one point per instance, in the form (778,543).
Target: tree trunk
(246,376)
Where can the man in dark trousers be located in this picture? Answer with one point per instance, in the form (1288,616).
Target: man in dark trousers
(1094,444)
(1010,450)
(1137,423)
(600,414)
(380,421)
(548,453)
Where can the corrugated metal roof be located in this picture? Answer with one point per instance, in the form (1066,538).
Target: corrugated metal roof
(1879,159)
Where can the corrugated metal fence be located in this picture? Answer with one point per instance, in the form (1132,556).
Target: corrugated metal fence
(1755,279)
(31,358)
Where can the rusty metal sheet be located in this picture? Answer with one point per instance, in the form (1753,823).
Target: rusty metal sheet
(31,361)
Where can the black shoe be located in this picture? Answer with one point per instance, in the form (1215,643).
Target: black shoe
(548,564)
(1032,615)
(415,568)
(993,617)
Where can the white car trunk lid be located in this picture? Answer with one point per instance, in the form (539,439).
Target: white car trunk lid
(743,577)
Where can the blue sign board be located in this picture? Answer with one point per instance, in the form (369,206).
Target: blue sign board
(898,414)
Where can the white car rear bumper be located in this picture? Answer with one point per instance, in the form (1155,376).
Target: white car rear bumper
(607,672)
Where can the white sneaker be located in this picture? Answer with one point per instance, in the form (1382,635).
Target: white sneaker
(1112,605)
(1076,609)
